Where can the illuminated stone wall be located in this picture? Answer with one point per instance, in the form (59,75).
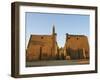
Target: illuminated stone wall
(76,47)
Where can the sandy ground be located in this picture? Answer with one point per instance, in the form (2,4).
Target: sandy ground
(56,63)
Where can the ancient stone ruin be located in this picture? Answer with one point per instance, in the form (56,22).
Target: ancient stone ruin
(45,47)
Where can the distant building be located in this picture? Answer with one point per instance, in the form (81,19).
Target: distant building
(61,54)
(76,47)
(42,47)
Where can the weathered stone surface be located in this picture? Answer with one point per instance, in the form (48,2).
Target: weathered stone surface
(77,46)
(42,47)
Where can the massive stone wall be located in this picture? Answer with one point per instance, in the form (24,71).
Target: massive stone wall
(76,47)
(40,47)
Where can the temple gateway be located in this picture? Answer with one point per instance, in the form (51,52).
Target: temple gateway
(45,47)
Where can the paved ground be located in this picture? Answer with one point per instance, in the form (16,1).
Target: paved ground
(56,63)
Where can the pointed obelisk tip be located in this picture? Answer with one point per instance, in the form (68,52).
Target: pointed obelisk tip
(53,28)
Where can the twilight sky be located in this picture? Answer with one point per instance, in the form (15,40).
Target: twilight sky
(42,23)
